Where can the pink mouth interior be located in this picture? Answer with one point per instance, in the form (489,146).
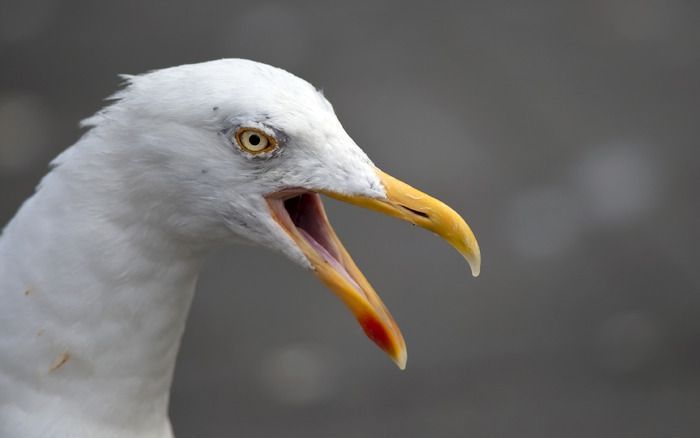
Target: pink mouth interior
(305,212)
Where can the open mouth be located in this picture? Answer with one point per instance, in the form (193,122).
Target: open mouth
(308,217)
(304,219)
(301,215)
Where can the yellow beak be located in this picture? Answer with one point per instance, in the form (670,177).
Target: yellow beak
(407,203)
(304,219)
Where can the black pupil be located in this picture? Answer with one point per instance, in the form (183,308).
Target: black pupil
(254,140)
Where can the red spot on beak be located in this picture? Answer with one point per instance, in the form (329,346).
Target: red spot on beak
(377,332)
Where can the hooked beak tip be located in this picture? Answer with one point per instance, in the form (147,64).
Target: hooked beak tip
(473,258)
(475,265)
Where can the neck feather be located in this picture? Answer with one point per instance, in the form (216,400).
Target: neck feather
(93,304)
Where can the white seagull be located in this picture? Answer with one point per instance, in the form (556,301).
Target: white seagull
(98,268)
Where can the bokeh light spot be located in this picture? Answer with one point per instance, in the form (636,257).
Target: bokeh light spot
(297,374)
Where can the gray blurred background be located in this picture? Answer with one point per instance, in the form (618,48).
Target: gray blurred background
(565,132)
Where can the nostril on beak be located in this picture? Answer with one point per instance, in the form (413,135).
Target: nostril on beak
(416,212)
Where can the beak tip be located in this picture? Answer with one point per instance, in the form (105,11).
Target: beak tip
(476,269)
(474,262)
(400,360)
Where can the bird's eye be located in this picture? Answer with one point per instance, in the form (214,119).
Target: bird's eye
(255,141)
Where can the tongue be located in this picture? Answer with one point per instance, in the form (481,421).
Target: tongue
(330,259)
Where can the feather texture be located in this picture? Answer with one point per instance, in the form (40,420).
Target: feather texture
(98,268)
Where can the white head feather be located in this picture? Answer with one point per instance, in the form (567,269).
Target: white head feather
(168,139)
(98,268)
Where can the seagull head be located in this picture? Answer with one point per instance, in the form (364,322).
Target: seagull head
(234,150)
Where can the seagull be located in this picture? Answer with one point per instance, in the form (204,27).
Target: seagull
(99,267)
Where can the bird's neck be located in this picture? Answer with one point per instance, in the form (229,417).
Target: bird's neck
(92,310)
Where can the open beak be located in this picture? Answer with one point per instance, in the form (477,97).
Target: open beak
(302,216)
